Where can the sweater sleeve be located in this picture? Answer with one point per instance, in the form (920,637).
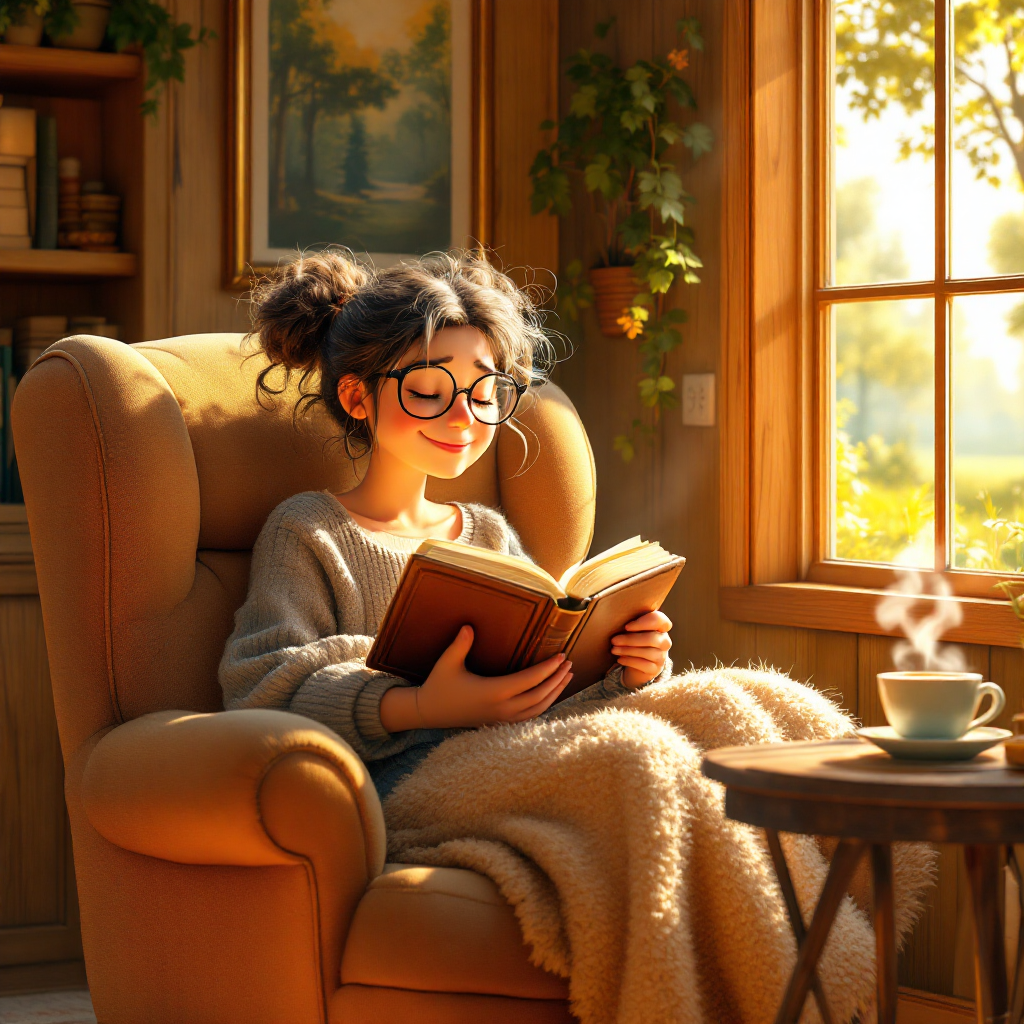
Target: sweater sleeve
(288,650)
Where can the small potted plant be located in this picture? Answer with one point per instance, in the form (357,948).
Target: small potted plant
(84,24)
(615,141)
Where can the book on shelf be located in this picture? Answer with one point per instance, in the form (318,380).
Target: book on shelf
(17,176)
(520,614)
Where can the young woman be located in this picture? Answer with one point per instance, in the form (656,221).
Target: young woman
(418,365)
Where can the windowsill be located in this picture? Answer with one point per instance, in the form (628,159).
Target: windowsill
(852,610)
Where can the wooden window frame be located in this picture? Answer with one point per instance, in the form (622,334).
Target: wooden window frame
(774,434)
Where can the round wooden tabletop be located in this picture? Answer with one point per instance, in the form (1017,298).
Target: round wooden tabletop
(851,788)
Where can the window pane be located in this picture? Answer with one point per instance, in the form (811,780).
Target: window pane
(988,432)
(883,490)
(882,149)
(987,129)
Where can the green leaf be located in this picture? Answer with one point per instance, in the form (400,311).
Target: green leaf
(625,447)
(584,101)
(670,132)
(690,27)
(698,138)
(665,383)
(602,28)
(637,73)
(660,280)
(547,125)
(596,177)
(675,316)
(680,92)
(632,121)
(635,230)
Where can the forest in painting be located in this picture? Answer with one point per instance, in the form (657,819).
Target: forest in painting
(883,231)
(360,125)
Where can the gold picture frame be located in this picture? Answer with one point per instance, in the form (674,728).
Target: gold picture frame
(472,153)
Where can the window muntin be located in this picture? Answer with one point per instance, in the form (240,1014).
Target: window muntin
(922,313)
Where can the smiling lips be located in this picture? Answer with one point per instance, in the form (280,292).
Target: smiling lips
(456,448)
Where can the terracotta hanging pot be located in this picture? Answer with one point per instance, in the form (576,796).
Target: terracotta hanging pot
(614,291)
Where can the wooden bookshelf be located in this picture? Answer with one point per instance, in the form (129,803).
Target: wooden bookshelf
(50,71)
(95,98)
(66,263)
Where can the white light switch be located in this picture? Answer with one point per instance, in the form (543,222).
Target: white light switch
(698,399)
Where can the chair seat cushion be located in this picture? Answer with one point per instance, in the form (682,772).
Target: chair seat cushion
(441,930)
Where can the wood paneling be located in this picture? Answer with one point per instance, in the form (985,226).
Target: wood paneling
(525,83)
(38,907)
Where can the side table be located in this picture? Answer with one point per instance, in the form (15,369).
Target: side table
(851,790)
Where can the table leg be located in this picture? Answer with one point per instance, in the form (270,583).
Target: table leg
(989,955)
(885,931)
(796,918)
(844,863)
(1017,989)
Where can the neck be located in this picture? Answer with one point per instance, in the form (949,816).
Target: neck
(392,491)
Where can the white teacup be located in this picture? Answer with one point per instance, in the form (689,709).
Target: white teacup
(936,705)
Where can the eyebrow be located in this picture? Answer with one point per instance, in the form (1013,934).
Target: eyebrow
(447,359)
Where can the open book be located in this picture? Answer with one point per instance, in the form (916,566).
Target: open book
(520,614)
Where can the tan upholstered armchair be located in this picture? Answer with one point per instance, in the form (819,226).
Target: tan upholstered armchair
(231,865)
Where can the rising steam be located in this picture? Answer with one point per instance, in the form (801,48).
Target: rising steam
(921,649)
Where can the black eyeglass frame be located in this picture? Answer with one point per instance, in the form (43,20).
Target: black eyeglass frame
(401,373)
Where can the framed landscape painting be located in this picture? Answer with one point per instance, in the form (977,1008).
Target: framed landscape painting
(354,124)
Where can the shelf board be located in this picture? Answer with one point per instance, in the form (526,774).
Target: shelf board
(53,71)
(66,263)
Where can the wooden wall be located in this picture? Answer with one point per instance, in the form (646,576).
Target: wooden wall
(671,491)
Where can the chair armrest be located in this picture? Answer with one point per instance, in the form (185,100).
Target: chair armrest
(243,788)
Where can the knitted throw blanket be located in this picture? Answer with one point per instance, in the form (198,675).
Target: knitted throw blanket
(623,870)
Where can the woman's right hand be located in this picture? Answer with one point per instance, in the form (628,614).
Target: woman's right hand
(453,697)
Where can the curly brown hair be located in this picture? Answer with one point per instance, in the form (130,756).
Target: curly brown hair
(328,316)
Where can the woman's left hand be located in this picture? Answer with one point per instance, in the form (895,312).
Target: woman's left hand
(643,648)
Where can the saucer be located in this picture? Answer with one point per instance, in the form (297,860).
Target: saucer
(967,746)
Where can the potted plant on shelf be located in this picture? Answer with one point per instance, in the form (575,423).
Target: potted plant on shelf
(84,24)
(615,141)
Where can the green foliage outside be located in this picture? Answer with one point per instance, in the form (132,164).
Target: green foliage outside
(144,23)
(883,472)
(616,140)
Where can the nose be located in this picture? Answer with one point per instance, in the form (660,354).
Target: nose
(460,414)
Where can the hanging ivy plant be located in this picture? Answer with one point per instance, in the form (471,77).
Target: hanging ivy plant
(615,141)
(146,24)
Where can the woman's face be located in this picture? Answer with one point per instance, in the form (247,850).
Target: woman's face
(447,446)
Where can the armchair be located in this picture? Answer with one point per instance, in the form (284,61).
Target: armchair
(231,865)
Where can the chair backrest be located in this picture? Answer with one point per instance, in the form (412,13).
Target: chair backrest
(148,471)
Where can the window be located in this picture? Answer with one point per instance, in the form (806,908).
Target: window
(873,362)
(921,299)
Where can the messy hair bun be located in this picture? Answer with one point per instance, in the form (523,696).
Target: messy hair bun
(293,310)
(327,316)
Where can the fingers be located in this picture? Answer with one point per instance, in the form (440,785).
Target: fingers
(657,621)
(527,678)
(540,692)
(627,642)
(541,706)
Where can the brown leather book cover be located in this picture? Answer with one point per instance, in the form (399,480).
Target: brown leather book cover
(514,627)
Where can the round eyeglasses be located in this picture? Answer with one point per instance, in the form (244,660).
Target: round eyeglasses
(428,391)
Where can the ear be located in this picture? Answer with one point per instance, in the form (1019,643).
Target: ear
(354,395)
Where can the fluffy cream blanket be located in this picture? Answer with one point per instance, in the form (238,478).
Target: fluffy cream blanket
(623,870)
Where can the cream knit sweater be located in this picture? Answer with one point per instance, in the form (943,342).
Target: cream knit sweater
(318,589)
